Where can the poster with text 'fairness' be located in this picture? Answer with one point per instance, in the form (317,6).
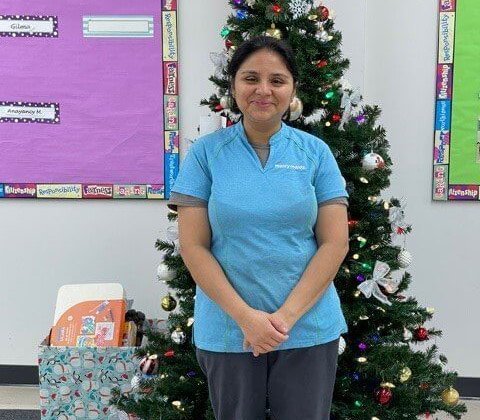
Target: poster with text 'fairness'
(456,154)
(88,98)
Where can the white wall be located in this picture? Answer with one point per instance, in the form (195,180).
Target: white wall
(45,244)
(401,41)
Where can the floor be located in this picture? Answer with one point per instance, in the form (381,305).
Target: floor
(26,398)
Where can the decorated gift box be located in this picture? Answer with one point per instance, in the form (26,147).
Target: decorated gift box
(76,382)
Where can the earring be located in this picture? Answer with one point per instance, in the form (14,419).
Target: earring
(296,109)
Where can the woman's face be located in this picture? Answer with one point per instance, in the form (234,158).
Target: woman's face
(263,88)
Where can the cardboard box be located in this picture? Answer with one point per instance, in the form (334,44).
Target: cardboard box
(76,382)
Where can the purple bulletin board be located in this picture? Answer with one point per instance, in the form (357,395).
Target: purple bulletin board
(88,98)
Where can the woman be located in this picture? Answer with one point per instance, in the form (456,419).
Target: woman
(263,230)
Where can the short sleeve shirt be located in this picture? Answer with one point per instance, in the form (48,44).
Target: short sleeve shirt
(262,220)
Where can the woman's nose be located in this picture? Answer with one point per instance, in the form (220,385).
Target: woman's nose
(263,87)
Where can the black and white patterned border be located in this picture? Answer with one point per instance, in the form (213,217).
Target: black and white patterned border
(19,119)
(53,19)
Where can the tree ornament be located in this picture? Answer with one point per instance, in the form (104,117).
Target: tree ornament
(421,334)
(298,8)
(190,322)
(358,403)
(164,273)
(169,353)
(323,13)
(407,335)
(136,382)
(169,303)
(178,336)
(352,224)
(149,365)
(342,345)
(405,374)
(251,3)
(228,44)
(404,258)
(296,109)
(226,101)
(383,395)
(396,217)
(372,161)
(450,396)
(323,36)
(238,3)
(379,278)
(276,8)
(218,108)
(274,32)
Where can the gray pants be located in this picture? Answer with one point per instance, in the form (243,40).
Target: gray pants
(298,382)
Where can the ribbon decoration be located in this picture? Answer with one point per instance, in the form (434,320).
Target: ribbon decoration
(371,286)
(220,61)
(396,218)
(349,100)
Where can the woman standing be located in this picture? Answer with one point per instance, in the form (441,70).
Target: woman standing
(263,230)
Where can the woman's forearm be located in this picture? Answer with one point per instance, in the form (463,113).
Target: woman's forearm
(321,270)
(209,275)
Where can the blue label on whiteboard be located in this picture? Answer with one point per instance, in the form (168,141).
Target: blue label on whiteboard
(442,118)
(171,171)
(2,191)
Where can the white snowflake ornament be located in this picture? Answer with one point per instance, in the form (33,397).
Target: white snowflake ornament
(298,8)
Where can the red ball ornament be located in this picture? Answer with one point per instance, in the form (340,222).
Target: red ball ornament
(421,334)
(218,108)
(336,118)
(323,13)
(169,353)
(228,44)
(383,395)
(276,8)
(322,63)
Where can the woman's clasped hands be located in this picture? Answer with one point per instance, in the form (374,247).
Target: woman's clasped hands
(263,331)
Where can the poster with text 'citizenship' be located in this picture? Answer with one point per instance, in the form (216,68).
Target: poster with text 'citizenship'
(456,155)
(88,98)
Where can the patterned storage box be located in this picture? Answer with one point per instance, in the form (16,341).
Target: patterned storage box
(76,382)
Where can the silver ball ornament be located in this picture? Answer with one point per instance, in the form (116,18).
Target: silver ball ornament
(163,272)
(372,161)
(341,345)
(178,336)
(404,258)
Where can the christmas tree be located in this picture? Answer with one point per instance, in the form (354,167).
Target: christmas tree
(386,367)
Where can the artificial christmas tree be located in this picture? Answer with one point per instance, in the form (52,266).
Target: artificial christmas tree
(386,368)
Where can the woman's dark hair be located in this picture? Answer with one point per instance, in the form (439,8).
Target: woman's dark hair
(247,48)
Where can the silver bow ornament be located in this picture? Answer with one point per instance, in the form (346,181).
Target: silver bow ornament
(349,100)
(371,287)
(220,61)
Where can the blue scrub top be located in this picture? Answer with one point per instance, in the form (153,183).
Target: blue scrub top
(263,228)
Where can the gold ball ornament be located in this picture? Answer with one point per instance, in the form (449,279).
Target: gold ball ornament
(274,32)
(405,374)
(169,303)
(450,396)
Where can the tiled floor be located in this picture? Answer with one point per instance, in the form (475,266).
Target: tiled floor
(26,398)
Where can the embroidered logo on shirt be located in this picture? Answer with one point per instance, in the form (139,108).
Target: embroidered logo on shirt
(293,167)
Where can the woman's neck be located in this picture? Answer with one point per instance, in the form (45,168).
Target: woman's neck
(260,133)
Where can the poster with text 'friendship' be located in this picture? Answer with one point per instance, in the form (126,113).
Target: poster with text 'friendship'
(456,155)
(88,98)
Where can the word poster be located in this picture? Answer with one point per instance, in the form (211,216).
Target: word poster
(88,98)
(456,160)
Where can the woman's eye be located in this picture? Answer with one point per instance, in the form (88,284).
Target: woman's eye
(250,79)
(278,82)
